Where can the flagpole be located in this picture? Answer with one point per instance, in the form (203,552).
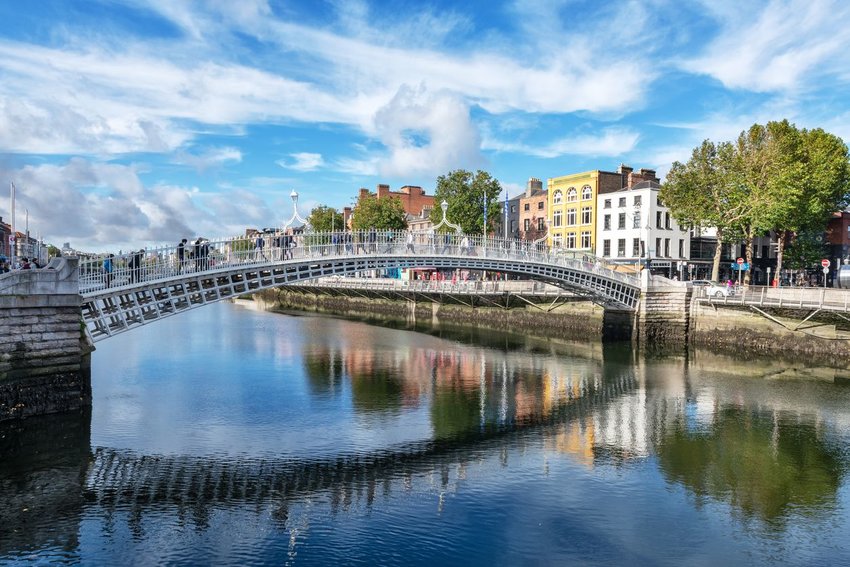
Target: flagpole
(13,243)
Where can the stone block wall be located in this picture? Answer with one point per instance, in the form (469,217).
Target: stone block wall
(664,316)
(44,362)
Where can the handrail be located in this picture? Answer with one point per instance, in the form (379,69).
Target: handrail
(208,256)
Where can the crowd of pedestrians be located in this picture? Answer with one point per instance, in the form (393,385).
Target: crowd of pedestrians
(23,263)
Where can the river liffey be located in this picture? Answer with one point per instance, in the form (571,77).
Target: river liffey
(233,436)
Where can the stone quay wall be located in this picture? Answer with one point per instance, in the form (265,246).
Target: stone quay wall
(44,353)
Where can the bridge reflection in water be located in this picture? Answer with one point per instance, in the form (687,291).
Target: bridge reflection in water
(610,413)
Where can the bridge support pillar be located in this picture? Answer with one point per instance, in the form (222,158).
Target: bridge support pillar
(44,350)
(664,313)
(617,325)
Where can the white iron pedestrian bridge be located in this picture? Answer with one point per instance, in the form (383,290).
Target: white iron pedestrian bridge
(150,285)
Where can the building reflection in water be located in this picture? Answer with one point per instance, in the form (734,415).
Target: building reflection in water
(759,448)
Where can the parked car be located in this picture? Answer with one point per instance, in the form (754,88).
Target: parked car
(713,289)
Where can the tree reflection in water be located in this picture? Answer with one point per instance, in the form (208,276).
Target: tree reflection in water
(765,464)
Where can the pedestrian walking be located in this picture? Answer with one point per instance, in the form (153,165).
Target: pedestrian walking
(107,270)
(181,255)
(410,242)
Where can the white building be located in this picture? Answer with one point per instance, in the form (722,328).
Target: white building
(633,225)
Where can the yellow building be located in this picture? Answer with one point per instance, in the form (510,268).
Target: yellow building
(572,204)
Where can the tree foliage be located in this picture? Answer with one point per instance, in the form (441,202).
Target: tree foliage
(466,194)
(325,219)
(384,214)
(775,177)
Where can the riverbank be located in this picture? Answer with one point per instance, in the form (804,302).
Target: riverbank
(823,341)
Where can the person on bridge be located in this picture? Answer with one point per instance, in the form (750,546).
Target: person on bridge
(373,240)
(464,246)
(181,255)
(107,270)
(410,242)
(259,245)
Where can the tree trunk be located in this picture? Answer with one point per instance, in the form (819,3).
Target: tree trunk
(748,254)
(780,238)
(715,265)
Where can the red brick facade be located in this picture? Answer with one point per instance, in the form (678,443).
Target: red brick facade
(414,200)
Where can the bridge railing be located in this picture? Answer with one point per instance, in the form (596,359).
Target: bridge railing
(439,286)
(202,256)
(786,297)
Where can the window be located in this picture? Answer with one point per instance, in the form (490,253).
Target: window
(586,215)
(621,202)
(571,194)
(585,239)
(657,247)
(557,197)
(658,201)
(526,207)
(586,192)
(571,217)
(667,220)
(513,226)
(606,224)
(571,241)
(637,201)
(636,220)
(541,223)
(557,219)
(621,247)
(513,208)
(557,241)
(666,247)
(681,248)
(540,205)
(657,219)
(606,248)
(621,221)
(608,206)
(526,225)
(636,247)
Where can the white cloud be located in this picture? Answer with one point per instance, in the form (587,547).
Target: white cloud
(212,157)
(780,46)
(613,141)
(426,134)
(303,161)
(102,206)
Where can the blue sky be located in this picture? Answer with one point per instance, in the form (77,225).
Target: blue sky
(135,122)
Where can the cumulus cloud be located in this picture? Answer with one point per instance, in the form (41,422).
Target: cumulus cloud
(104,206)
(426,133)
(302,161)
(209,158)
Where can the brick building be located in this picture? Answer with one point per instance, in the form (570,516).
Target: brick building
(532,211)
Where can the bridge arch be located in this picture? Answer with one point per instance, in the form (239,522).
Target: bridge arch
(164,290)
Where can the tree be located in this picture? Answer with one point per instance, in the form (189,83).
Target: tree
(807,249)
(465,194)
(53,252)
(325,219)
(706,192)
(806,178)
(383,214)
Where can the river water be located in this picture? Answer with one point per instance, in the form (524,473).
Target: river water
(230,435)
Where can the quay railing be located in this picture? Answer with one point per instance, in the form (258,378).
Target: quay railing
(203,256)
(831,299)
(521,287)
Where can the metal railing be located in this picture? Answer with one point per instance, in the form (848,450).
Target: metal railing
(206,256)
(784,297)
(525,287)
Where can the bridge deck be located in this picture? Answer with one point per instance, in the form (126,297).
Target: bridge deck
(806,298)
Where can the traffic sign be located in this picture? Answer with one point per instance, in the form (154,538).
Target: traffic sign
(825,263)
(740,260)
(825,270)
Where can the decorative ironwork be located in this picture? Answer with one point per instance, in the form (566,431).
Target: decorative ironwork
(295,215)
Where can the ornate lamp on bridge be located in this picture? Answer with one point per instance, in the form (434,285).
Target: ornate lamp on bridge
(295,215)
(445,221)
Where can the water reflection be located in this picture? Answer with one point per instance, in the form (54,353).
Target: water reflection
(502,428)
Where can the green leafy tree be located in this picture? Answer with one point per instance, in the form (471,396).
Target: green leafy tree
(706,192)
(325,219)
(243,244)
(382,214)
(466,194)
(806,250)
(53,252)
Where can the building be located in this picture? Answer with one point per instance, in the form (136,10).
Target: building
(572,203)
(532,211)
(515,211)
(5,233)
(413,198)
(635,228)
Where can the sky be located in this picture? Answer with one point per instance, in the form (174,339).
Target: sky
(137,122)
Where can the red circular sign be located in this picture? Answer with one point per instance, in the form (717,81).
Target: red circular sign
(825,263)
(740,261)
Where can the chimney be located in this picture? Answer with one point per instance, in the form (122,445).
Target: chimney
(383,189)
(533,184)
(648,175)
